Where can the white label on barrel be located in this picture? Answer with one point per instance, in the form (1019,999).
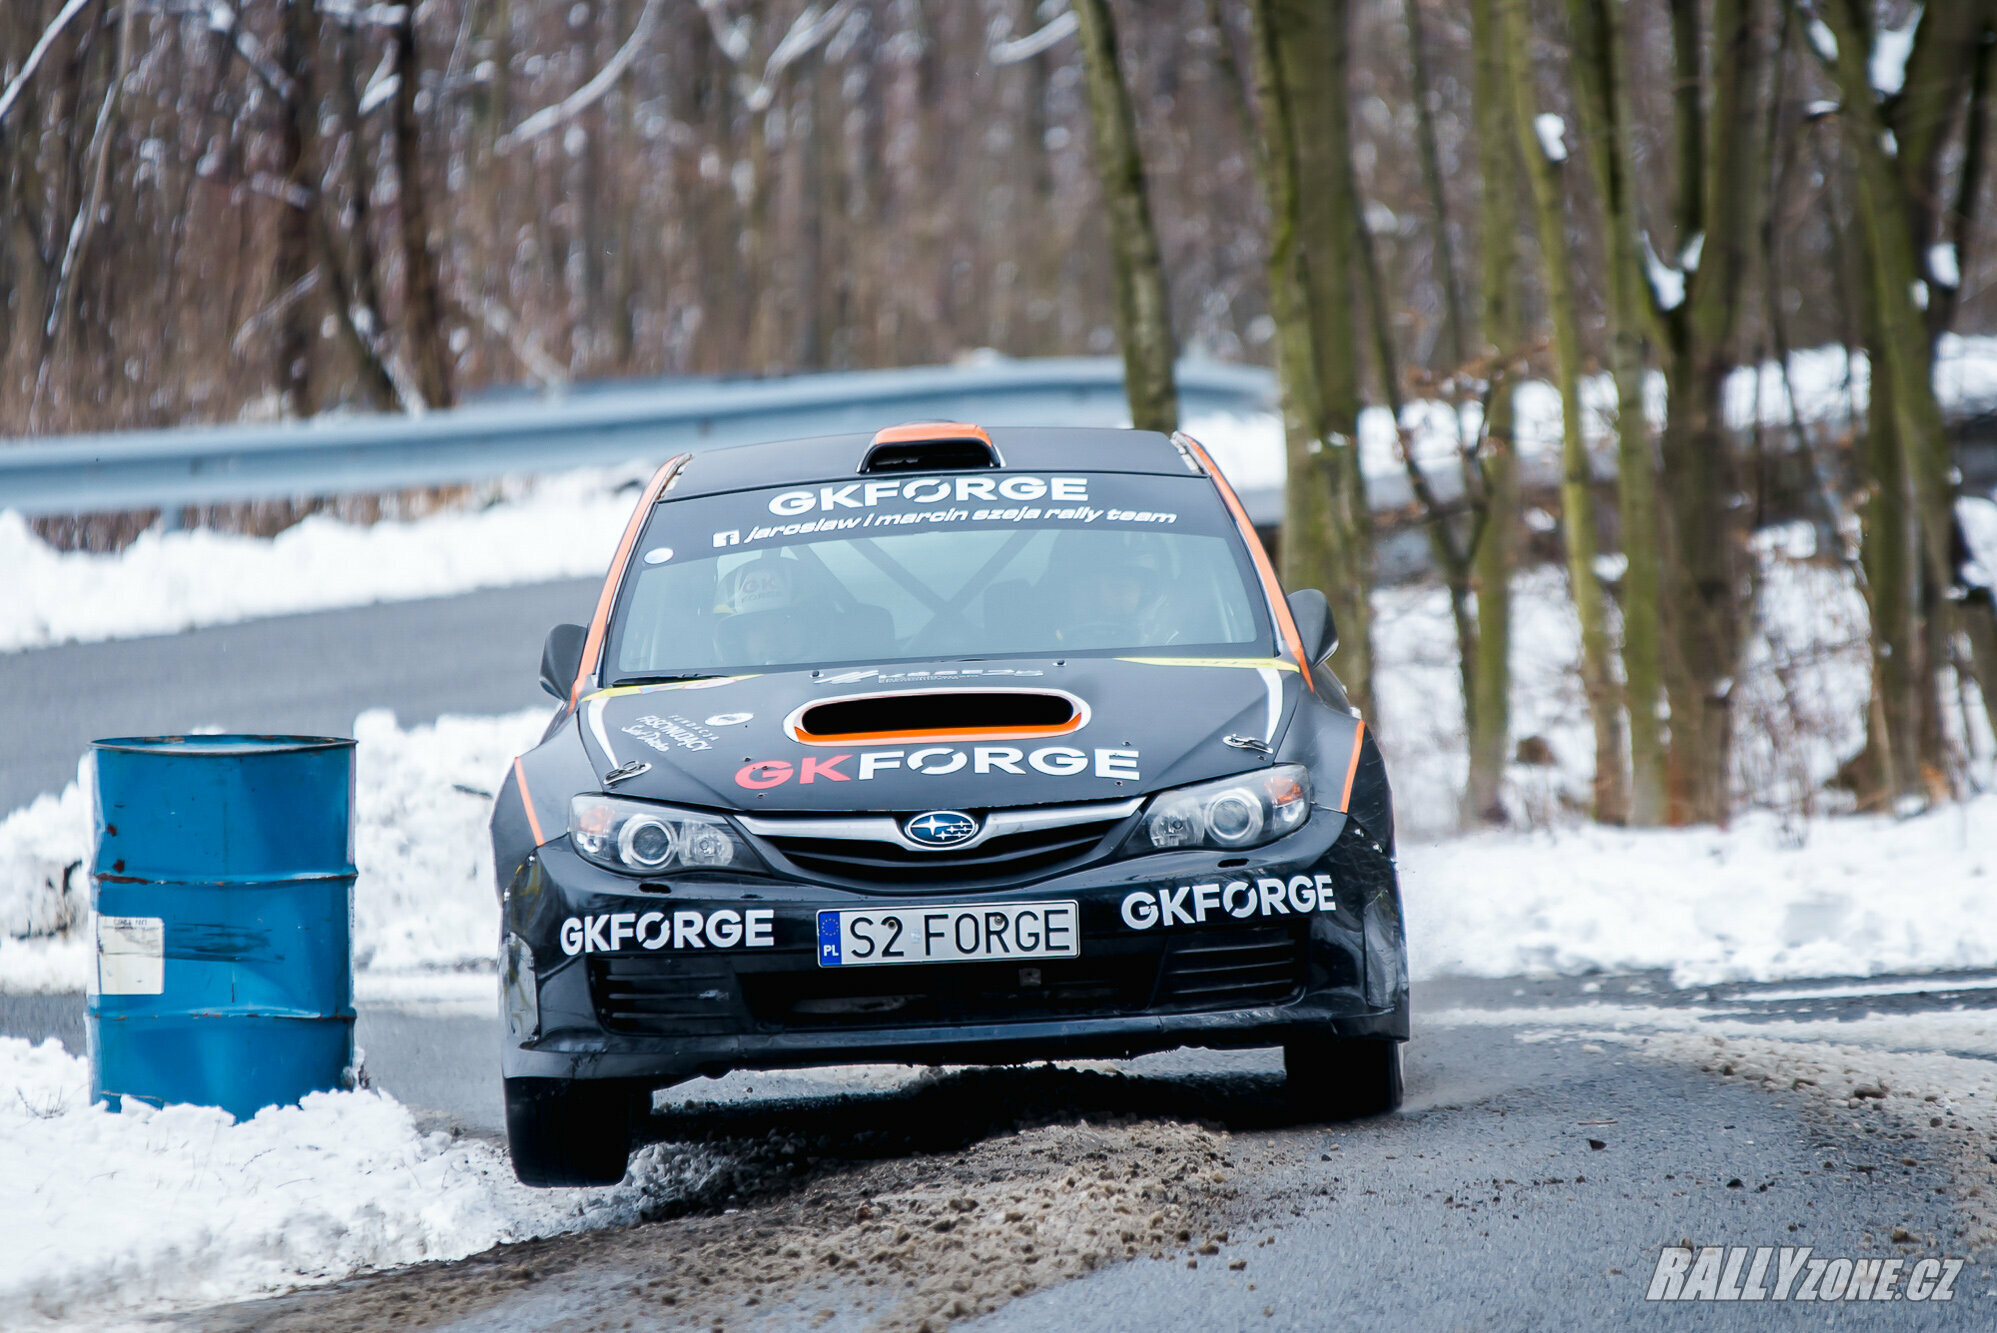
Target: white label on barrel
(131,955)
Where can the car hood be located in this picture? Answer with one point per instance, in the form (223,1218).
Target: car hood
(751,743)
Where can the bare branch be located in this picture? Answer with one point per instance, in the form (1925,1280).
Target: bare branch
(350,14)
(523,343)
(223,20)
(547,118)
(381,84)
(42,44)
(811,28)
(264,318)
(100,172)
(1025,48)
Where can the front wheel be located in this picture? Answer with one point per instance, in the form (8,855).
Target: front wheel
(1343,1078)
(570,1131)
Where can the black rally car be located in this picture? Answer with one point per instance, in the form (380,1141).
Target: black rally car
(944,745)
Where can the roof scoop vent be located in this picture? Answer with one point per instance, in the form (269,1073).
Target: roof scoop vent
(938,715)
(931,446)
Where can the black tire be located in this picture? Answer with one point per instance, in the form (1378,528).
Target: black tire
(1343,1078)
(570,1131)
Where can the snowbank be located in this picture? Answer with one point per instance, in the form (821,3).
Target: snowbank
(1768,900)
(105,1214)
(424,895)
(565,526)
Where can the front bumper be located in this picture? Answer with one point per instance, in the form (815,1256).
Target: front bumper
(605,978)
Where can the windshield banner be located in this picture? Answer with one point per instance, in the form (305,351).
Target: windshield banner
(902,504)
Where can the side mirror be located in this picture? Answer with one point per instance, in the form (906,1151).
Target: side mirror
(1312,612)
(561,659)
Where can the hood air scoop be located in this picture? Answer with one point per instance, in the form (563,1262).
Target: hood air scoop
(938,715)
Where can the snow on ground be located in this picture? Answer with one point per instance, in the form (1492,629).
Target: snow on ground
(1769,899)
(566,525)
(1799,701)
(106,1214)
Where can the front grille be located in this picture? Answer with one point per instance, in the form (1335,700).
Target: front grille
(664,996)
(1005,857)
(915,995)
(1233,969)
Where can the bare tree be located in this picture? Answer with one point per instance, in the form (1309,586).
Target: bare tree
(1143,306)
(1601,80)
(1300,52)
(1544,150)
(1494,460)
(1895,142)
(422,298)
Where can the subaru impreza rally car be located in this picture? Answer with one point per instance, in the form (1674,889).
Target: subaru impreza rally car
(944,745)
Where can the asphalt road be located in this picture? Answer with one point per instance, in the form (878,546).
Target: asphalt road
(1528,1183)
(304,674)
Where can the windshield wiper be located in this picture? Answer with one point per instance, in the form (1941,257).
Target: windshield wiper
(667,678)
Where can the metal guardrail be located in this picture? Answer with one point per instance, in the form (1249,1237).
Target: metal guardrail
(600,425)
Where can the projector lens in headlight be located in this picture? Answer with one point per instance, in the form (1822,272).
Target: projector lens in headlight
(645,842)
(1234,818)
(640,838)
(1243,811)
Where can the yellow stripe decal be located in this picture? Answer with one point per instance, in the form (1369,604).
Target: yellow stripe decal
(706,683)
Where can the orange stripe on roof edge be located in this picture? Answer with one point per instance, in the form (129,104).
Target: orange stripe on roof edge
(527,803)
(1352,765)
(592,646)
(1272,587)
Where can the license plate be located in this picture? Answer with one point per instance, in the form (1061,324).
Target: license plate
(870,937)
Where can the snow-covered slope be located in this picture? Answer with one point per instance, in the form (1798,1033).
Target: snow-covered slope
(106,1214)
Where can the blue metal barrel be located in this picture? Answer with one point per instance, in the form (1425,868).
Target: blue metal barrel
(222,883)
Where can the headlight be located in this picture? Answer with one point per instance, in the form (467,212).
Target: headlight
(1243,811)
(639,838)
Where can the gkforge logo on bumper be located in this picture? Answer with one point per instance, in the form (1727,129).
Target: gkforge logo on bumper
(1059,761)
(1266,895)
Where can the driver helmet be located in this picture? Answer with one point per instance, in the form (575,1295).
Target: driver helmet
(760,601)
(1120,592)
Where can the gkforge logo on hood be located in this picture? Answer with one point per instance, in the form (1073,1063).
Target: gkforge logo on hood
(1058,761)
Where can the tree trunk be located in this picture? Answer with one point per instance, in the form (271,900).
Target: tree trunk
(1576,479)
(1603,105)
(1455,332)
(1143,309)
(1891,558)
(1487,712)
(423,303)
(1706,590)
(1896,206)
(292,347)
(1327,538)
(364,292)
(1704,587)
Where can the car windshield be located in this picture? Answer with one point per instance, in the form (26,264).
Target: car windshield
(912,568)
